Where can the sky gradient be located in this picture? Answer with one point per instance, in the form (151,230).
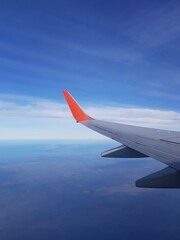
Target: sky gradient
(120,59)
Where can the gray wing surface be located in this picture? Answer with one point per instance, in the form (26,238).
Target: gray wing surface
(162,145)
(159,144)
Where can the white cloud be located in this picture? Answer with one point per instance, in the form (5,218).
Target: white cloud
(116,54)
(37,107)
(29,117)
(139,116)
(27,106)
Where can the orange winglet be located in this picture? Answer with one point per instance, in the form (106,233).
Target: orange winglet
(76,110)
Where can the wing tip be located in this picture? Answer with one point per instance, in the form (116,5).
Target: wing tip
(76,110)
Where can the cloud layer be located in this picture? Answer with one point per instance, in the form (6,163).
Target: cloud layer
(28,107)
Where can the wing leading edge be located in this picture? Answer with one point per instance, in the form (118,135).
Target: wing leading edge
(137,142)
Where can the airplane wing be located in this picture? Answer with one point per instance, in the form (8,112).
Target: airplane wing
(162,145)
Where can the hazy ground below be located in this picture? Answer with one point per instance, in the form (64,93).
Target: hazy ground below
(65,190)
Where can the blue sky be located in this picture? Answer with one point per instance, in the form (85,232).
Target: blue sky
(111,55)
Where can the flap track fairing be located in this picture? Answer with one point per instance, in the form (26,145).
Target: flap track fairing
(123,152)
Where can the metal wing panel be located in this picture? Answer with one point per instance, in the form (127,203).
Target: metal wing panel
(165,178)
(145,140)
(160,144)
